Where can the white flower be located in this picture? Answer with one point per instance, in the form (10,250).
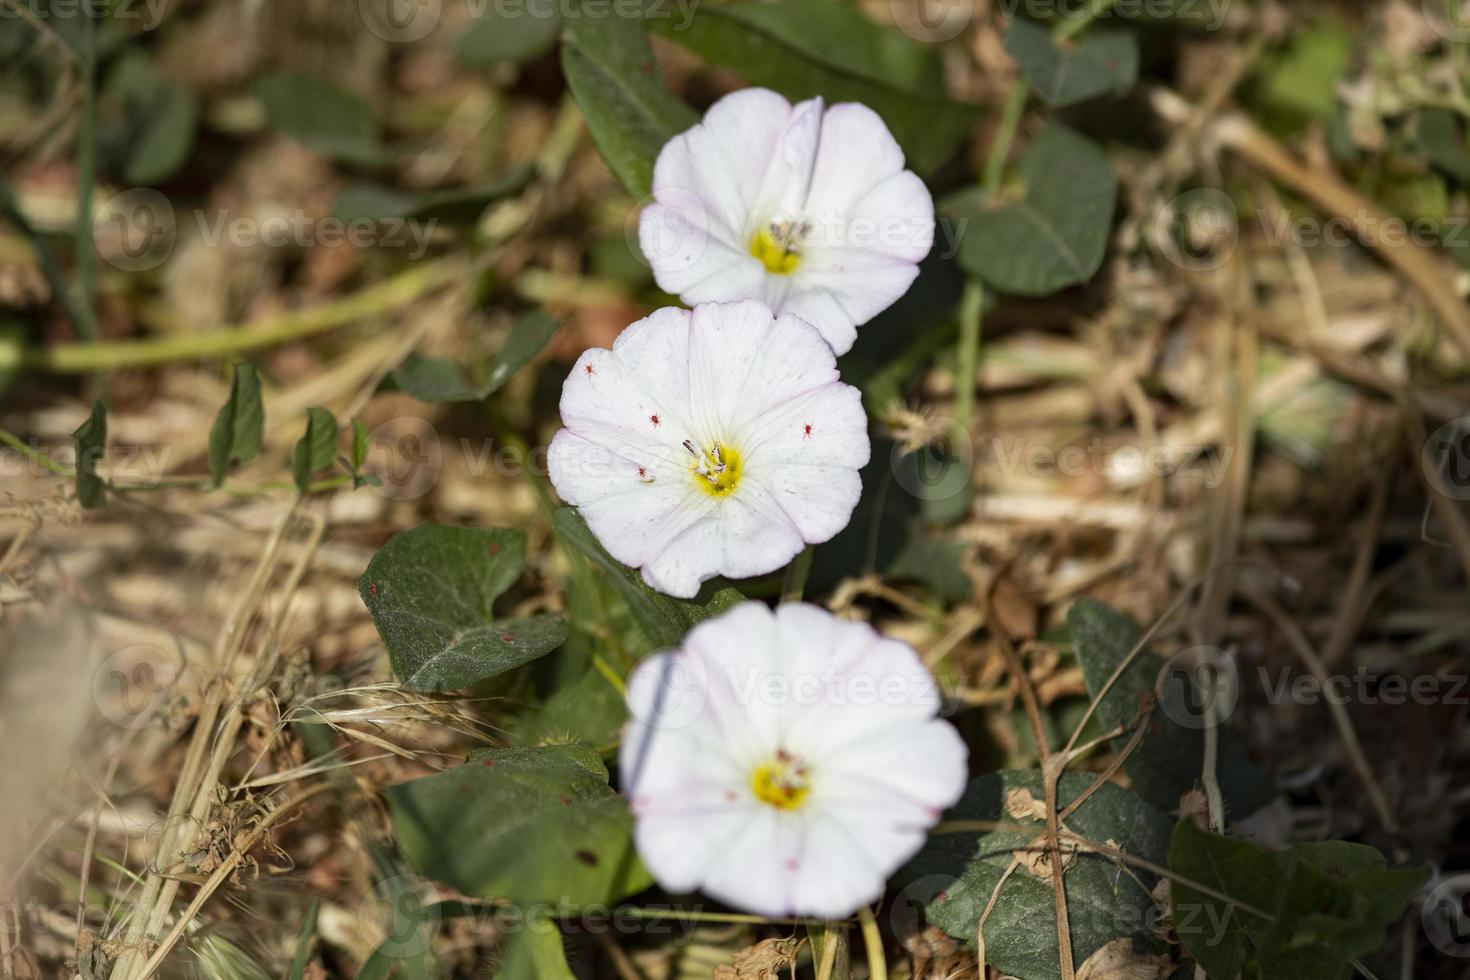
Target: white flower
(785,763)
(809,211)
(717,442)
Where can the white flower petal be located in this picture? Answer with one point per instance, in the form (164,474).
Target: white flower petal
(857,153)
(869,778)
(823,187)
(649,424)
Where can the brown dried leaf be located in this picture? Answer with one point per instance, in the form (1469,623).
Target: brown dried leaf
(1119,961)
(763,961)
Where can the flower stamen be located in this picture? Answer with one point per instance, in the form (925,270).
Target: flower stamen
(716,469)
(782,782)
(778,245)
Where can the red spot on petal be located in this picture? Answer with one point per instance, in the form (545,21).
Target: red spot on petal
(792,864)
(642,471)
(731,795)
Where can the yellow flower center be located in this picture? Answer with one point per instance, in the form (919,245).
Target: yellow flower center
(781,783)
(716,469)
(777,246)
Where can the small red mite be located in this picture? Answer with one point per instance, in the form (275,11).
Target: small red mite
(654,420)
(806,431)
(589,370)
(642,471)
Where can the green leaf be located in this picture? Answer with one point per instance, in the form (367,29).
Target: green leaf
(955,874)
(305,936)
(515,36)
(1170,757)
(1055,234)
(1067,72)
(437,379)
(360,436)
(760,42)
(239,425)
(316,449)
(155,127)
(1218,934)
(325,117)
(1298,83)
(837,35)
(535,952)
(630,112)
(430,591)
(527,825)
(1443,141)
(1325,904)
(459,206)
(588,711)
(90,441)
(663,619)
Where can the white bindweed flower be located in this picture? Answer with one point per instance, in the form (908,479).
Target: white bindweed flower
(717,442)
(808,209)
(785,762)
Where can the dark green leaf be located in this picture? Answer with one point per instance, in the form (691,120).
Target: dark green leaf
(955,874)
(663,619)
(153,130)
(588,711)
(430,592)
(239,425)
(1052,236)
(629,110)
(436,379)
(756,40)
(325,117)
(90,441)
(1170,757)
(1217,933)
(317,449)
(455,207)
(1443,141)
(1068,72)
(511,35)
(528,825)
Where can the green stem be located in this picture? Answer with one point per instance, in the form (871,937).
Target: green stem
(86,180)
(972,305)
(34,455)
(1068,29)
(1005,134)
(404,288)
(873,943)
(796,576)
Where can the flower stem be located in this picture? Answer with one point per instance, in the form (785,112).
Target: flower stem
(1069,28)
(972,305)
(873,943)
(1005,134)
(796,575)
(402,289)
(86,181)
